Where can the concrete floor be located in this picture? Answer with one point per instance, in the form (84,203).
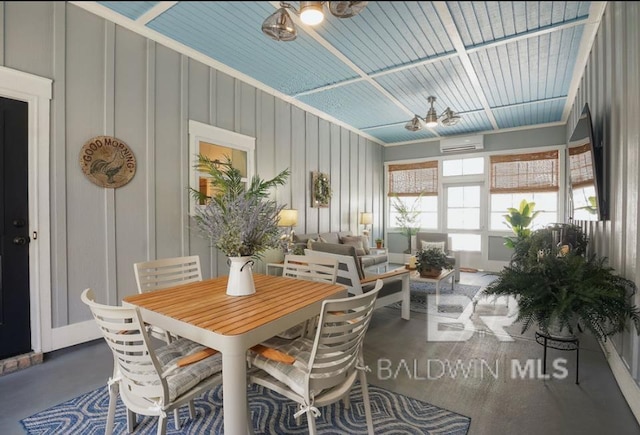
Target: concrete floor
(481,387)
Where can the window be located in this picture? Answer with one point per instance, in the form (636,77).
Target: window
(533,177)
(416,185)
(426,206)
(470,166)
(217,144)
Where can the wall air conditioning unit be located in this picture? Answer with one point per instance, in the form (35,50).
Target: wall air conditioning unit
(462,143)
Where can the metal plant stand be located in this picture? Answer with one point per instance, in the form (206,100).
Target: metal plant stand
(559,343)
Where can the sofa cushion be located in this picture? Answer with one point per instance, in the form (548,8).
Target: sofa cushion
(390,286)
(373,259)
(352,240)
(304,238)
(333,248)
(356,244)
(330,237)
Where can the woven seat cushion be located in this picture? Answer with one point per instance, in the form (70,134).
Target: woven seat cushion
(184,378)
(292,375)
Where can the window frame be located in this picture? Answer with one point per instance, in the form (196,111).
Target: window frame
(200,132)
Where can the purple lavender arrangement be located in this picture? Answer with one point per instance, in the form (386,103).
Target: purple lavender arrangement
(239,219)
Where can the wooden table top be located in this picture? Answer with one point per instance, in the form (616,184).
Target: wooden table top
(206,304)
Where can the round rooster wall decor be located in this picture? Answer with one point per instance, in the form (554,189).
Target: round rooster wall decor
(107,161)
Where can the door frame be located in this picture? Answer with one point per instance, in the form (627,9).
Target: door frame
(36,92)
(471,258)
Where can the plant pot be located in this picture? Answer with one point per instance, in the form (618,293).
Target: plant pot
(554,331)
(431,272)
(240,282)
(379,245)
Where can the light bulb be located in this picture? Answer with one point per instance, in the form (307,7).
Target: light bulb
(311,13)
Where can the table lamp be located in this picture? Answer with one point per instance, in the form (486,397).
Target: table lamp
(366,219)
(288,218)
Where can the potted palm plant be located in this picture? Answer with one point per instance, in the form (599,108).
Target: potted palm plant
(564,292)
(239,219)
(407,218)
(431,261)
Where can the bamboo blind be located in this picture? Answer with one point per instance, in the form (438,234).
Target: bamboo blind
(581,166)
(532,172)
(414,179)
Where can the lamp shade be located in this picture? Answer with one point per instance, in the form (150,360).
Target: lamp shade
(288,218)
(366,218)
(279,26)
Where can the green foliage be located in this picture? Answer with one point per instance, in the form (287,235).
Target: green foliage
(566,290)
(431,258)
(240,220)
(519,220)
(407,219)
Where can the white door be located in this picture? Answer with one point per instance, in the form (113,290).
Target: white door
(464,221)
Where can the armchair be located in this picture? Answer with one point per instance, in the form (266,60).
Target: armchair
(444,241)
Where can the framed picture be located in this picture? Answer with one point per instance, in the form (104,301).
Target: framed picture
(320,189)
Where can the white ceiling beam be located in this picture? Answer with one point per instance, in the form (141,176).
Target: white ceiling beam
(447,20)
(596,10)
(155,11)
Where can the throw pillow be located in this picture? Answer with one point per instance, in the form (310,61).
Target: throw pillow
(430,245)
(364,241)
(309,242)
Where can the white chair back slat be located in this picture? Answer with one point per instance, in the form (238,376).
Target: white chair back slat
(311,267)
(150,380)
(167,272)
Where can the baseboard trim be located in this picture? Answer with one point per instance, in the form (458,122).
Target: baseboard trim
(628,386)
(77,333)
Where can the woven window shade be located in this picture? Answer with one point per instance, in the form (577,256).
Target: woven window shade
(581,166)
(414,179)
(534,172)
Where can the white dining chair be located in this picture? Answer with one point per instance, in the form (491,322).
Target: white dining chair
(151,381)
(315,373)
(166,272)
(313,267)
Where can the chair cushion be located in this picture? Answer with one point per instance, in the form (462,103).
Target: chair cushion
(184,378)
(292,375)
(295,376)
(432,245)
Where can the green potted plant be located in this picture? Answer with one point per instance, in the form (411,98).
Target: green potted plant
(431,261)
(379,243)
(239,219)
(564,292)
(519,220)
(407,219)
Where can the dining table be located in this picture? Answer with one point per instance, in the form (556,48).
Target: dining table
(203,312)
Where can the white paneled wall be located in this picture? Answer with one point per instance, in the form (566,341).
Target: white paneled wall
(110,81)
(611,88)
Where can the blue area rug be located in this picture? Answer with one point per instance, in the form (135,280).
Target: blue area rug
(271,414)
(420,290)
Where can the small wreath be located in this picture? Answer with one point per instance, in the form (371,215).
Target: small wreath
(321,189)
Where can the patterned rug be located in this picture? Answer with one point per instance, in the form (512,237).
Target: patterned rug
(271,414)
(420,290)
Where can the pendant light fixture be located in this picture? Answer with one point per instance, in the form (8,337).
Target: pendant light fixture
(280,25)
(311,13)
(447,119)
